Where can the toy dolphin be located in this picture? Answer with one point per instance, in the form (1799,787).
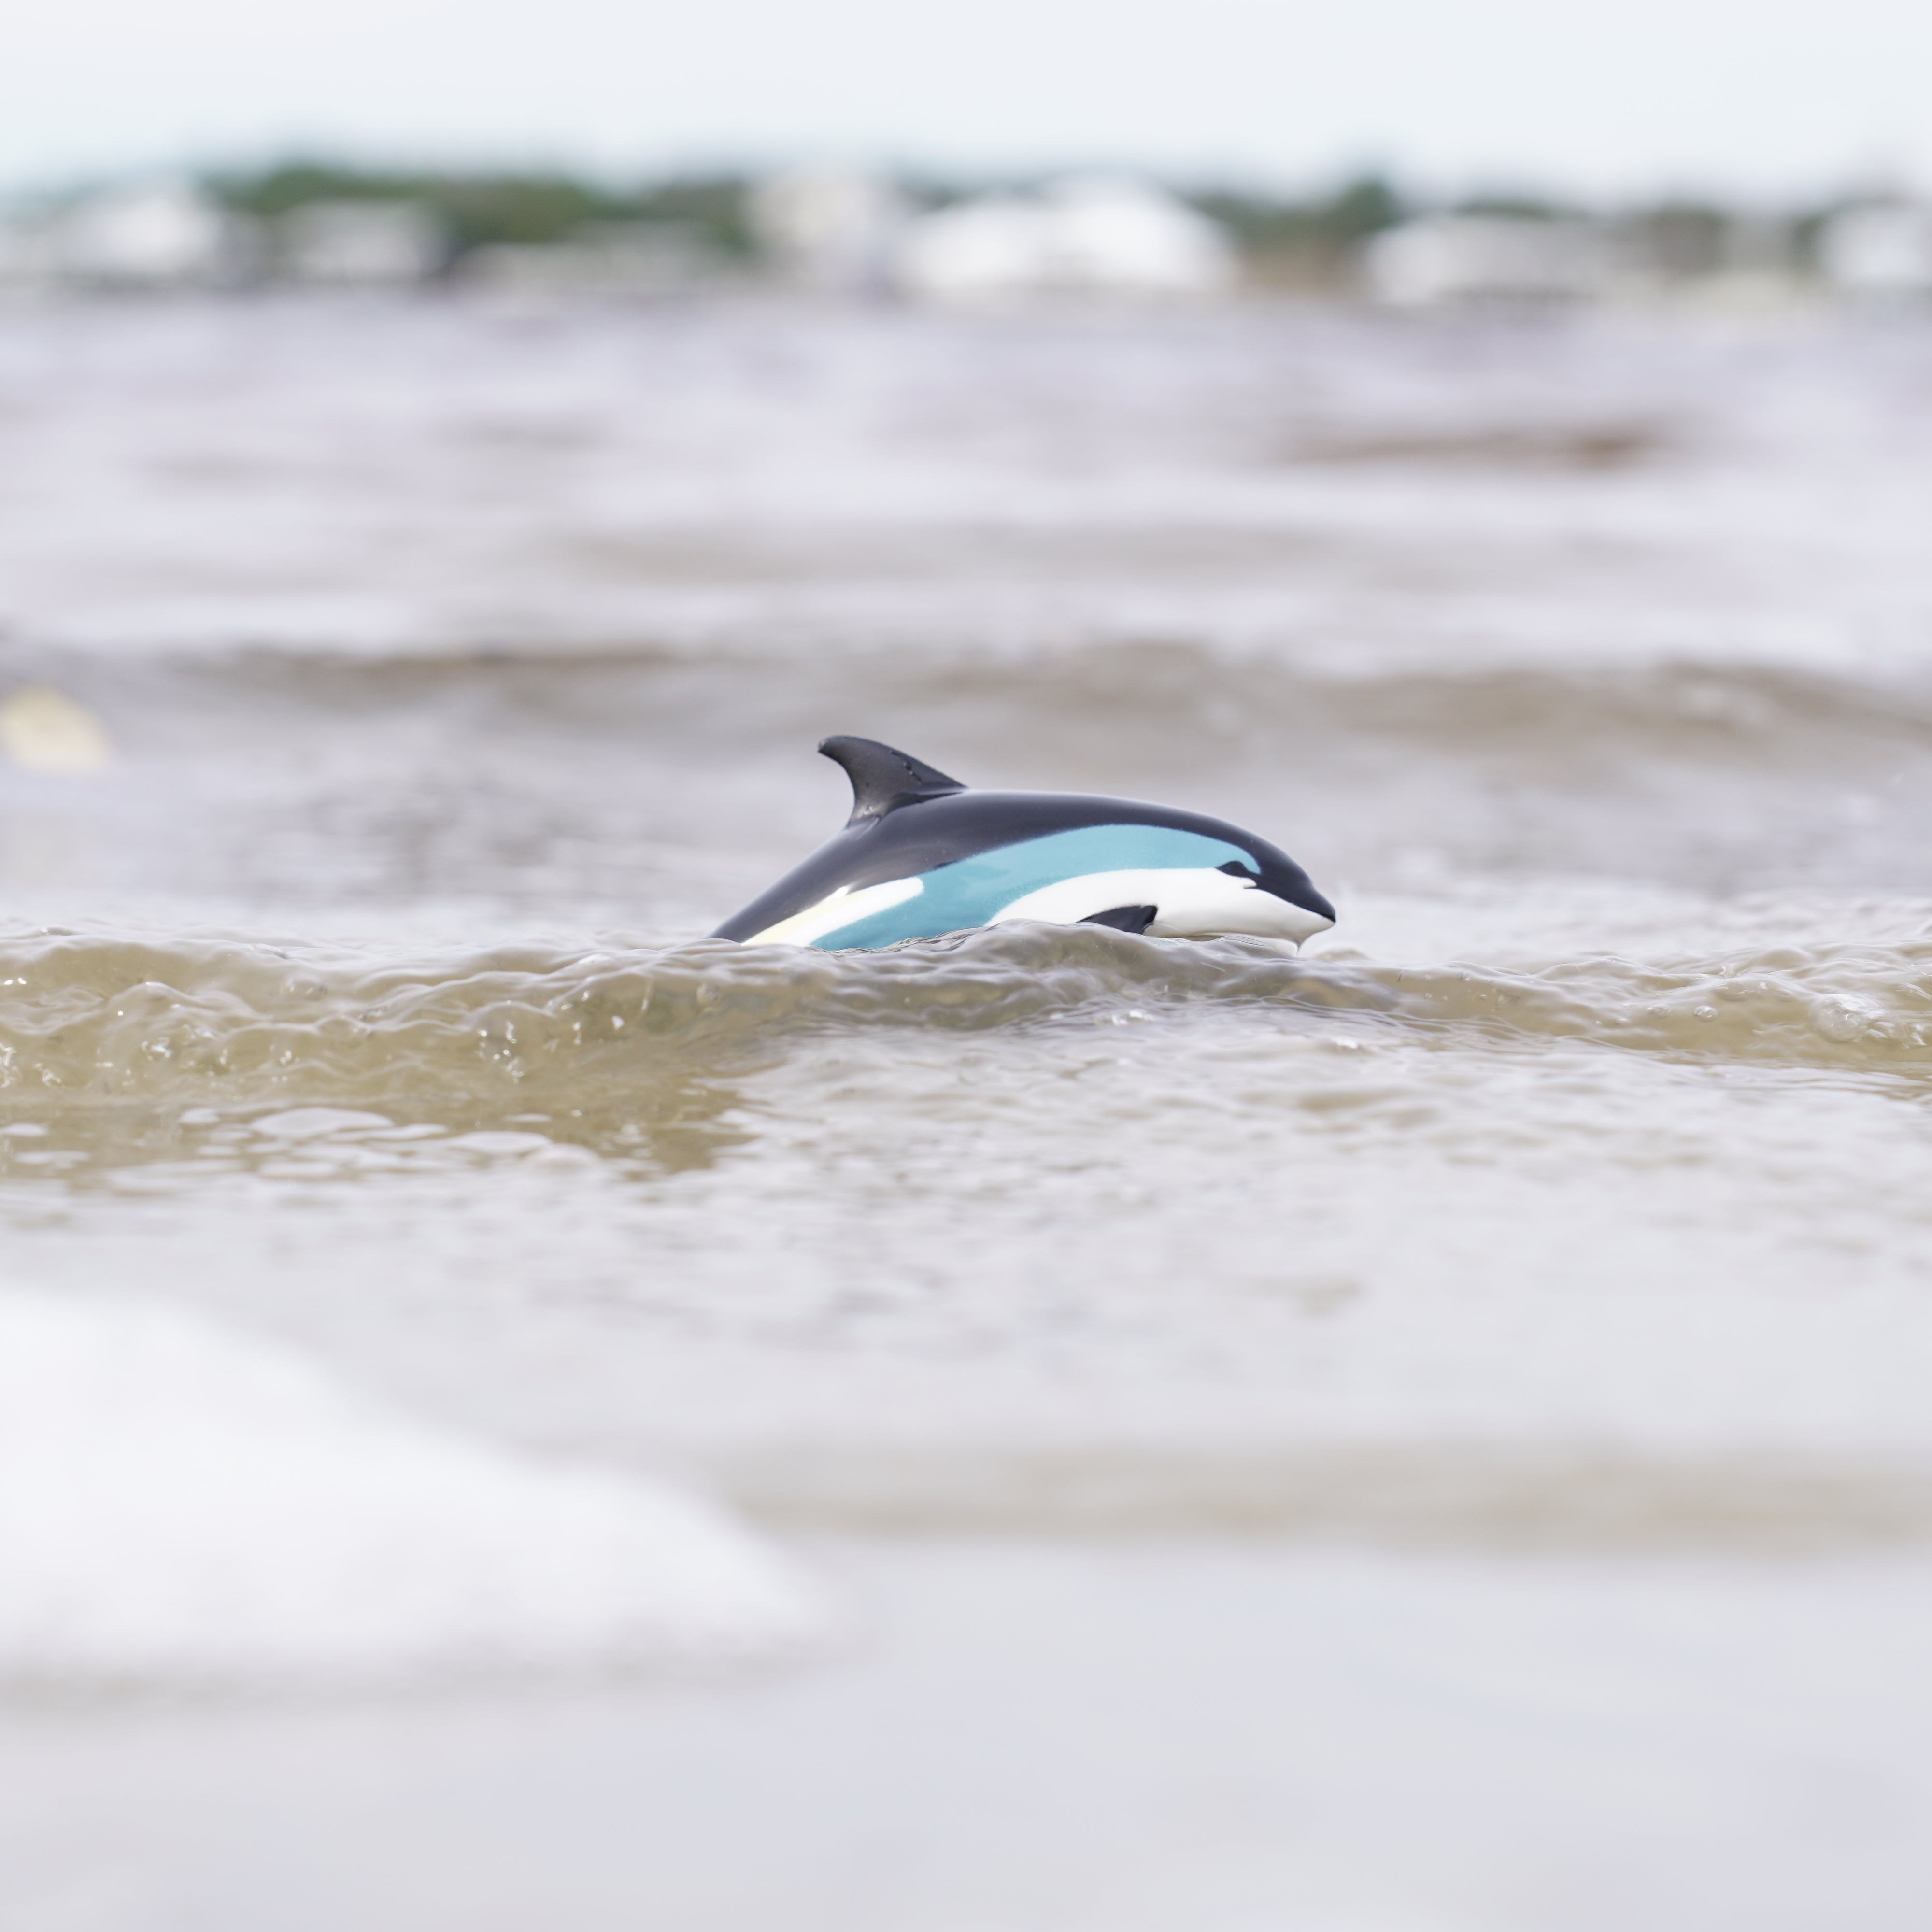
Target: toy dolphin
(922,856)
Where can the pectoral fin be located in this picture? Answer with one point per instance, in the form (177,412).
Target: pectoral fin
(1123,919)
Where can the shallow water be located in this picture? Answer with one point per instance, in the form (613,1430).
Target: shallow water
(458,668)
(1036,1736)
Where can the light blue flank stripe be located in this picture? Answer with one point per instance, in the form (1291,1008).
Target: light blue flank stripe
(971,892)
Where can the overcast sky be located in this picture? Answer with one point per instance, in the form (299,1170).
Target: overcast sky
(1751,95)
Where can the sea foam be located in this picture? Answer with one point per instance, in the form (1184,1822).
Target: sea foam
(183,1507)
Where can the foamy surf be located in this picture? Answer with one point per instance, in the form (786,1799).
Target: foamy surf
(183,1509)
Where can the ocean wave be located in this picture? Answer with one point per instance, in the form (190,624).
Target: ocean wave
(91,1019)
(1670,689)
(1664,689)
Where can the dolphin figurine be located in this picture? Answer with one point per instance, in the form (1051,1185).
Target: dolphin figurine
(922,855)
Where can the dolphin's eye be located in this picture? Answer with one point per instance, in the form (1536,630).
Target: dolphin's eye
(1240,870)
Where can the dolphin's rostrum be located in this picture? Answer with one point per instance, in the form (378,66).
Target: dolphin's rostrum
(922,856)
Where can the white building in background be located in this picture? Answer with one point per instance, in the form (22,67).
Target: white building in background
(833,229)
(1086,236)
(1449,259)
(1880,254)
(162,234)
(359,243)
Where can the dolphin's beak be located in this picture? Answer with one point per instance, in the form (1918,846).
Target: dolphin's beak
(1303,915)
(1310,900)
(1305,898)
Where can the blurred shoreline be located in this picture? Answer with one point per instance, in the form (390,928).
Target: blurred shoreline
(857,234)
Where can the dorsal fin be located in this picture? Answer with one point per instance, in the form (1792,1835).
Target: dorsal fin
(883,779)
